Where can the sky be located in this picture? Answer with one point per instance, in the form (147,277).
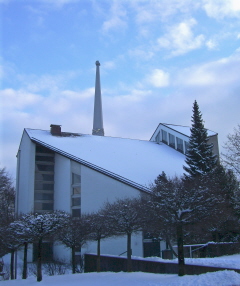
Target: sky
(156,56)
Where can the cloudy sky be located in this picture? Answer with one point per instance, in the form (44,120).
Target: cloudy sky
(157,57)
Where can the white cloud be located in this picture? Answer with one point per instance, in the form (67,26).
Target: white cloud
(222,8)
(141,53)
(158,78)
(223,72)
(180,38)
(109,65)
(17,99)
(211,44)
(116,18)
(151,11)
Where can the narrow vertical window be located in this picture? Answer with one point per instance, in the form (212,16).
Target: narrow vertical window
(76,195)
(164,137)
(180,145)
(172,140)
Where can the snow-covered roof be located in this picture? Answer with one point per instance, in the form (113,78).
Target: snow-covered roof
(186,129)
(130,160)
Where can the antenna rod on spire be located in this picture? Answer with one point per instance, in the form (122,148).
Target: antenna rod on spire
(97,116)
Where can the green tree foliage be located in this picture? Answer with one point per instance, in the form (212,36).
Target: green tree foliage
(199,158)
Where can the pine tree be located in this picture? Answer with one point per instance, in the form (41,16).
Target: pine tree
(199,157)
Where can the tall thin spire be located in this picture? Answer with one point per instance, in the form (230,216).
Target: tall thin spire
(97,116)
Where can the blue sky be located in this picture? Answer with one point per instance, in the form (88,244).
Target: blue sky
(157,57)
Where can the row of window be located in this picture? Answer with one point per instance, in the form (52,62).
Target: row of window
(44,179)
(44,183)
(169,139)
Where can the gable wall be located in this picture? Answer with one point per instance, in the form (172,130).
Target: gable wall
(25,176)
(98,188)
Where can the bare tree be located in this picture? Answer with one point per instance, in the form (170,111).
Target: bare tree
(74,235)
(99,230)
(7,198)
(124,218)
(40,227)
(232,155)
(178,203)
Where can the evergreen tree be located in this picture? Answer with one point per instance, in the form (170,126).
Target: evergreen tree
(199,158)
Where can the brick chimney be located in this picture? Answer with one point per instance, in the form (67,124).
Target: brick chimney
(55,130)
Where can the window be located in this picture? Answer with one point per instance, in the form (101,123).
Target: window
(44,179)
(45,168)
(75,202)
(42,149)
(186,146)
(44,196)
(76,190)
(76,195)
(75,212)
(164,137)
(171,140)
(44,158)
(179,145)
(158,137)
(39,185)
(39,206)
(76,179)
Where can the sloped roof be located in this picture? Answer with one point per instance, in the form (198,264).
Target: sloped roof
(186,130)
(136,161)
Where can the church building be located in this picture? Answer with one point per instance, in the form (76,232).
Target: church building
(78,173)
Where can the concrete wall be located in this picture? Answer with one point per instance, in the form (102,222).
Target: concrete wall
(25,176)
(98,189)
(62,184)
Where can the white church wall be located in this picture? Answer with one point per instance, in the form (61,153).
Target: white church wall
(116,246)
(62,183)
(25,176)
(98,188)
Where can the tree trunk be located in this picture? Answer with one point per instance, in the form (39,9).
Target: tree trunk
(39,261)
(73,260)
(129,253)
(12,265)
(98,256)
(181,264)
(24,274)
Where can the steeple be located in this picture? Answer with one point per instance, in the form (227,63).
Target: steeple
(97,116)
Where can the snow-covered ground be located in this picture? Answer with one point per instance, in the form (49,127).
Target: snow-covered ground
(219,278)
(228,261)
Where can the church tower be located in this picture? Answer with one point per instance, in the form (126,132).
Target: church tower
(97,116)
